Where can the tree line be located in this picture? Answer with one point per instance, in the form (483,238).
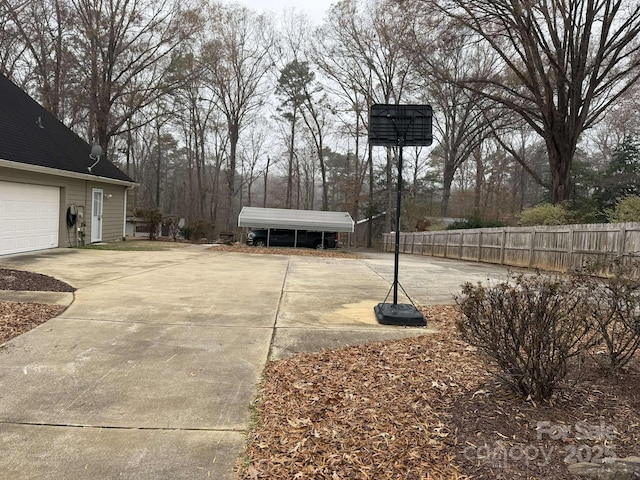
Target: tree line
(211,106)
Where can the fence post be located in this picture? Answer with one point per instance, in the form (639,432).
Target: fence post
(433,243)
(480,246)
(502,245)
(446,245)
(623,240)
(460,245)
(570,246)
(532,246)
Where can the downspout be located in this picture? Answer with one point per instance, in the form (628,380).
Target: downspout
(124,213)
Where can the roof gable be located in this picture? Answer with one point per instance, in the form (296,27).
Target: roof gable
(30,135)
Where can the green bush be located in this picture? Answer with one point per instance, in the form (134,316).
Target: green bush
(474,222)
(545,214)
(530,326)
(186,232)
(626,210)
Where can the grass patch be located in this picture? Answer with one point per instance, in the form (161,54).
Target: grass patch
(135,246)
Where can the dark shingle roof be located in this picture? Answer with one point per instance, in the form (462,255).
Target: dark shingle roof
(31,135)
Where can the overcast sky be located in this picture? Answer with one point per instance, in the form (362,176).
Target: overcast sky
(315,9)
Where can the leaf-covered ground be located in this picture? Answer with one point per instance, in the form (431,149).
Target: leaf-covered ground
(19,318)
(430,408)
(301,252)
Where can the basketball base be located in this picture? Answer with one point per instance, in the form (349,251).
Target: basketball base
(399,314)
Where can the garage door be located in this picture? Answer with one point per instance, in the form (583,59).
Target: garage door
(29,217)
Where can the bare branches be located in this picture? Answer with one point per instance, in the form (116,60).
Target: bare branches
(564,64)
(237,59)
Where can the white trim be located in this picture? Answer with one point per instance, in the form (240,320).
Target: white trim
(64,173)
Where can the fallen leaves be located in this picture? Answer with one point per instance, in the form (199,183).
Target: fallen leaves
(18,318)
(420,408)
(372,411)
(300,252)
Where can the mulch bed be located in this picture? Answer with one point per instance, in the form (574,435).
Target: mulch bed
(32,282)
(430,407)
(19,318)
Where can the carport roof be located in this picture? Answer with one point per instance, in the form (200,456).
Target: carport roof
(295,219)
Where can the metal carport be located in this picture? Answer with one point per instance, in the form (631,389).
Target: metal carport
(311,220)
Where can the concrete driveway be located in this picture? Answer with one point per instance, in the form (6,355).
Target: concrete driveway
(150,372)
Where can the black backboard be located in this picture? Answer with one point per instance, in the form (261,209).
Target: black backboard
(388,124)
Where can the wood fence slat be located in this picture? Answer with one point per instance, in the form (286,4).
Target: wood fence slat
(557,248)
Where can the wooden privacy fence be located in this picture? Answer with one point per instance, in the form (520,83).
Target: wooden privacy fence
(556,248)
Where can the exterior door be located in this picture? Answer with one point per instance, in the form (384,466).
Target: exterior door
(96,215)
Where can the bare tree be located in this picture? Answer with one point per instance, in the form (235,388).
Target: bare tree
(302,92)
(462,117)
(124,50)
(291,89)
(359,49)
(11,49)
(620,121)
(238,58)
(252,156)
(315,115)
(43,29)
(565,63)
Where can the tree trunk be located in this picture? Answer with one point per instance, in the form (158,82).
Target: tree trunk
(477,197)
(158,166)
(288,201)
(449,172)
(203,191)
(560,156)
(323,173)
(389,214)
(234,133)
(266,174)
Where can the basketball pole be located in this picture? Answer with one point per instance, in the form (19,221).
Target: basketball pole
(397,126)
(396,263)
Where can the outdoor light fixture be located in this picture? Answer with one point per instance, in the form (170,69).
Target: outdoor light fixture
(399,126)
(96,153)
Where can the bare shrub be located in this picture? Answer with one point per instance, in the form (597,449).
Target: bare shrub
(200,229)
(153,219)
(531,326)
(172,226)
(615,306)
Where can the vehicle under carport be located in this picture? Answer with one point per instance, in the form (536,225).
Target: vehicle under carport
(295,220)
